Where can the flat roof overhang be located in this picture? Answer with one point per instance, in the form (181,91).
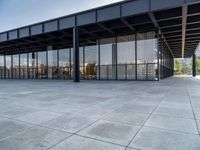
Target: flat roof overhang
(178,21)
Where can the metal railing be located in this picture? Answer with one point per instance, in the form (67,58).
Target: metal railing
(145,71)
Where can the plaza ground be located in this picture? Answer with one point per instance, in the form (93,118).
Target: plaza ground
(100,115)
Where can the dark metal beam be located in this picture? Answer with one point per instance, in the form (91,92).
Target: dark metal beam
(76,55)
(105,28)
(153,19)
(184,22)
(194,65)
(128,25)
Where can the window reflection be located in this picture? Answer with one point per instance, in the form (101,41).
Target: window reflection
(91,59)
(52,64)
(114,58)
(42,65)
(126,57)
(64,63)
(146,56)
(1,67)
(8,66)
(23,66)
(81,61)
(107,58)
(16,66)
(32,65)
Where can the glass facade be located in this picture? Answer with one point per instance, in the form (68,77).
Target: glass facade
(23,66)
(64,63)
(1,67)
(8,67)
(91,61)
(125,57)
(53,64)
(146,56)
(42,65)
(108,58)
(16,67)
(32,65)
(166,60)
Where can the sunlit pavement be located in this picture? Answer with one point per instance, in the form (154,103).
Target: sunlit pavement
(100,115)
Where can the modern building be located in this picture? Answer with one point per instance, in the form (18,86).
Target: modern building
(129,40)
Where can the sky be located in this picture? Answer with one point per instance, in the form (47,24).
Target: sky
(18,13)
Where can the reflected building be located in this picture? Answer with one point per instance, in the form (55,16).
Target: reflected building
(124,57)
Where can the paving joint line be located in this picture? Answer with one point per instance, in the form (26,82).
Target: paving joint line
(195,119)
(147,118)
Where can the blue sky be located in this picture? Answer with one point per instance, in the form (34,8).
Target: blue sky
(17,13)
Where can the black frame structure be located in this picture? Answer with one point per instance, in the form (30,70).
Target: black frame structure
(174,22)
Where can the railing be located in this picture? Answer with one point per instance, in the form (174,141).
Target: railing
(146,71)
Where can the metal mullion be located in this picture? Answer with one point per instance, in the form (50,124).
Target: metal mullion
(99,58)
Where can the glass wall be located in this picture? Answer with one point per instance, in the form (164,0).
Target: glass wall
(16,67)
(8,68)
(91,60)
(82,62)
(42,65)
(1,67)
(147,60)
(108,58)
(166,60)
(23,66)
(32,65)
(64,63)
(126,57)
(53,64)
(198,61)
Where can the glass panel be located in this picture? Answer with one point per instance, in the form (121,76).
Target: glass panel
(42,65)
(1,67)
(81,61)
(72,62)
(107,58)
(32,65)
(52,64)
(16,66)
(126,57)
(23,66)
(91,59)
(8,66)
(146,56)
(64,63)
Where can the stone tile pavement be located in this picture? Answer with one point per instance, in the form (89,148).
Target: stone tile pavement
(100,115)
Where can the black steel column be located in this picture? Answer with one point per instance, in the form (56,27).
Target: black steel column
(4,66)
(194,65)
(135,56)
(19,73)
(76,55)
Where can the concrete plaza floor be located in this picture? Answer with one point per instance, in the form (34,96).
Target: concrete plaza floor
(100,115)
